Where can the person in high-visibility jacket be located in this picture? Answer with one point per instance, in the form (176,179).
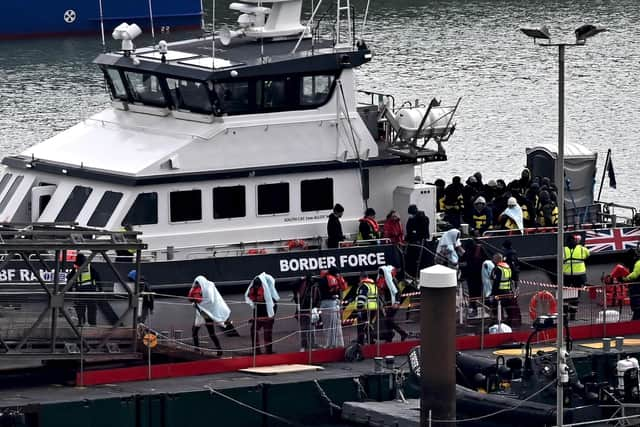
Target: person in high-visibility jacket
(634,287)
(86,280)
(367,304)
(574,270)
(368,228)
(504,290)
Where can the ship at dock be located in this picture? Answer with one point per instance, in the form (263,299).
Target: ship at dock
(39,18)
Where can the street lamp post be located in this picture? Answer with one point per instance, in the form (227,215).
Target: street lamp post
(582,34)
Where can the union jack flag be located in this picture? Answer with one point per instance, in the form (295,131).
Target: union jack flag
(612,239)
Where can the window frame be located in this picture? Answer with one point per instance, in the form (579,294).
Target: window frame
(133,93)
(212,99)
(185,221)
(11,191)
(67,205)
(257,193)
(112,88)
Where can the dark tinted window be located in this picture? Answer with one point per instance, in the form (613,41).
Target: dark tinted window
(7,197)
(4,181)
(42,203)
(316,89)
(190,95)
(118,90)
(145,88)
(271,94)
(316,194)
(273,198)
(229,202)
(143,211)
(105,208)
(74,203)
(233,97)
(185,205)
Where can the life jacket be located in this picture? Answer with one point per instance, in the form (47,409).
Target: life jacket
(511,224)
(373,226)
(370,301)
(505,277)
(84,278)
(574,261)
(257,294)
(195,294)
(441,205)
(479,220)
(336,283)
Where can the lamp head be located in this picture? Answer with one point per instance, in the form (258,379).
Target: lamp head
(537,33)
(586,31)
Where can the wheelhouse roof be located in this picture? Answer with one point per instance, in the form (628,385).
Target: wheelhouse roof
(247,57)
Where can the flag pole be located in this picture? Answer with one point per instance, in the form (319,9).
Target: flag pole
(604,171)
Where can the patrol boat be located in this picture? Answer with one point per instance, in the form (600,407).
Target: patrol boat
(228,152)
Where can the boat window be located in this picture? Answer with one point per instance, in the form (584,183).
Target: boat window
(229,202)
(316,89)
(233,97)
(43,201)
(316,194)
(4,181)
(143,211)
(74,203)
(271,94)
(273,198)
(7,197)
(105,208)
(145,88)
(185,205)
(190,95)
(118,90)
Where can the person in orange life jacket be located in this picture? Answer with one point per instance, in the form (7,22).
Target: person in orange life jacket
(367,304)
(388,291)
(503,286)
(210,309)
(368,228)
(334,227)
(86,280)
(393,228)
(331,284)
(262,297)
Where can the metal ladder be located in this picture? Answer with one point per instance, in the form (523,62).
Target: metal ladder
(342,6)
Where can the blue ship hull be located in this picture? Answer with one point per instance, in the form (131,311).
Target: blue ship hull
(42,18)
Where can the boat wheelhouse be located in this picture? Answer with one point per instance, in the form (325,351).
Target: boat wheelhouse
(236,145)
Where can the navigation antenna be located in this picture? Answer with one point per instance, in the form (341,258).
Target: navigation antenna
(213,34)
(153,33)
(104,44)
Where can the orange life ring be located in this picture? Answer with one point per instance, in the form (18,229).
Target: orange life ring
(542,296)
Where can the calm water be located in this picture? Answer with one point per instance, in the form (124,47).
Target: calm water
(444,49)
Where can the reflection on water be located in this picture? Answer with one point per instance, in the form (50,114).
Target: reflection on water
(423,49)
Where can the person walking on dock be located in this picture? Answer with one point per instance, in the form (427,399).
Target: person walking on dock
(210,309)
(388,289)
(503,289)
(331,285)
(574,270)
(306,295)
(334,227)
(367,304)
(262,297)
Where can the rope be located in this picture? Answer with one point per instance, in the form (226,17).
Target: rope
(323,395)
(244,405)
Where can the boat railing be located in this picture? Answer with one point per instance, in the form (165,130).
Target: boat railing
(368,242)
(616,213)
(325,24)
(382,98)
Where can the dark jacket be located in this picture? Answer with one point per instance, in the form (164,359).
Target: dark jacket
(334,231)
(417,228)
(511,258)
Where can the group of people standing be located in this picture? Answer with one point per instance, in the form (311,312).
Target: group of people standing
(524,202)
(369,229)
